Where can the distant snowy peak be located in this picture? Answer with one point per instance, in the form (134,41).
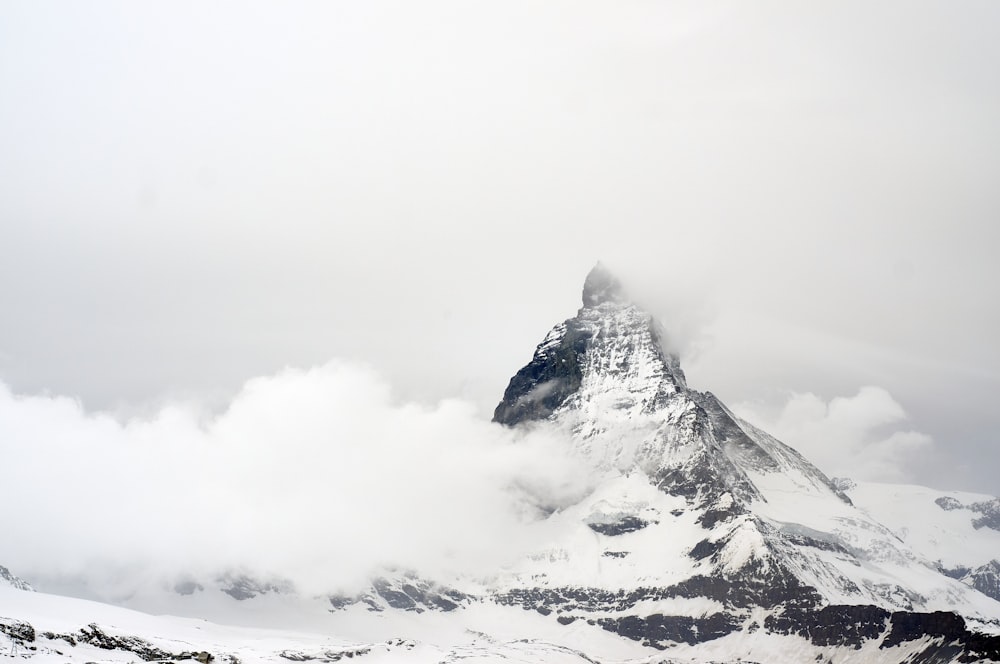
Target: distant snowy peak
(238,584)
(9,579)
(959,531)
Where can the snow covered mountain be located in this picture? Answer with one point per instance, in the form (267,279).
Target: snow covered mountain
(709,526)
(705,539)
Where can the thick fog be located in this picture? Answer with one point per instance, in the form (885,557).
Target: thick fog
(320,477)
(195,197)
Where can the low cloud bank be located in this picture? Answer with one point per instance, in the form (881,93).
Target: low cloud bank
(316,475)
(858,437)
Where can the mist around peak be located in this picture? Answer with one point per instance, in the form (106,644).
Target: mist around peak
(319,476)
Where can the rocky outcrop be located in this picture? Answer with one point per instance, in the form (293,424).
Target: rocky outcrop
(242,586)
(989,514)
(9,579)
(553,374)
(986,512)
(405,592)
(99,637)
(946,633)
(985,579)
(17,631)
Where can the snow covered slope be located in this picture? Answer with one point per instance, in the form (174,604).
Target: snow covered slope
(52,629)
(959,531)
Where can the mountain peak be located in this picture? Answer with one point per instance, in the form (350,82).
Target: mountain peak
(602,286)
(601,352)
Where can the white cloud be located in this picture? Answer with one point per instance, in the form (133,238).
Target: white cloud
(314,474)
(854,436)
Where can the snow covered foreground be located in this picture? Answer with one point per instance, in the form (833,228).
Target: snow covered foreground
(50,628)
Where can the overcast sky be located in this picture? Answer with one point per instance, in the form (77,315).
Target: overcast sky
(196,194)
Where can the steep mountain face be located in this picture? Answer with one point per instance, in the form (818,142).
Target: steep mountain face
(706,526)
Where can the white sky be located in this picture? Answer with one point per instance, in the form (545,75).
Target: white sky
(194,194)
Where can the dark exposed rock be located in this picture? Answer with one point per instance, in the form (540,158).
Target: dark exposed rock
(95,636)
(954,572)
(339,602)
(615,554)
(910,626)
(985,579)
(68,638)
(706,549)
(145,650)
(660,631)
(831,625)
(844,484)
(628,524)
(854,625)
(553,374)
(243,587)
(988,511)
(753,587)
(408,594)
(948,503)
(989,514)
(709,518)
(397,599)
(17,630)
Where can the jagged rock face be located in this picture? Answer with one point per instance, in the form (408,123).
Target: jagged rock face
(8,578)
(987,512)
(985,579)
(406,592)
(555,373)
(17,631)
(241,586)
